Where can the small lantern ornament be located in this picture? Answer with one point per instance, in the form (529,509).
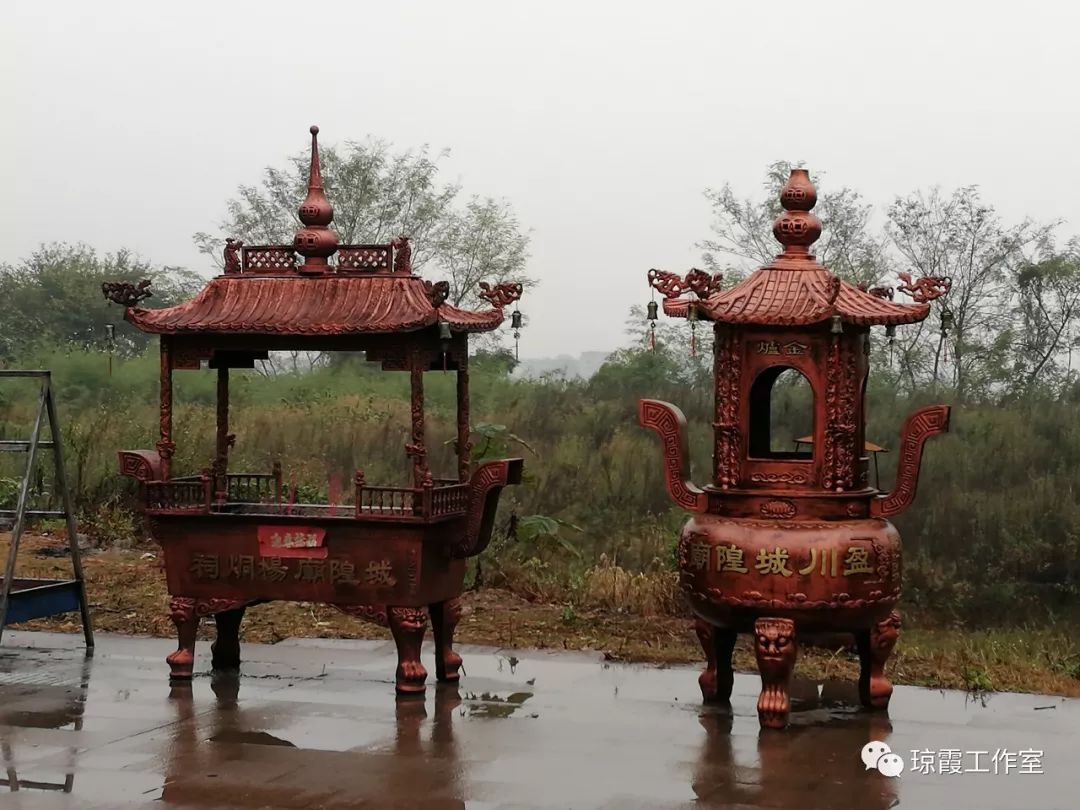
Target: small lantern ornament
(786,541)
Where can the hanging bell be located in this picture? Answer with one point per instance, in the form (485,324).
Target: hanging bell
(444,340)
(946,320)
(836,325)
(515,319)
(890,333)
(652,309)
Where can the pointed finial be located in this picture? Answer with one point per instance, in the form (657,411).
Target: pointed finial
(315,175)
(315,242)
(796,229)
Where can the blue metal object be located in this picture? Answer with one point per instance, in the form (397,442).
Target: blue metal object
(37,598)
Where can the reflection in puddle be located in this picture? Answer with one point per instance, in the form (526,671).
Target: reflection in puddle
(51,695)
(210,757)
(249,738)
(814,763)
(488,704)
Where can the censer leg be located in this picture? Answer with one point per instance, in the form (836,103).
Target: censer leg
(407,625)
(182,661)
(718,678)
(875,646)
(444,620)
(775,648)
(226,647)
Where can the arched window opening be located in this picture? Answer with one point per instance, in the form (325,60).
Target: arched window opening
(781,413)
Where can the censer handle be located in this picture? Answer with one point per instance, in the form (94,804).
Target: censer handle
(920,426)
(668,421)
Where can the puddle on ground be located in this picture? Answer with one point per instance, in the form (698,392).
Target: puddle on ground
(487,704)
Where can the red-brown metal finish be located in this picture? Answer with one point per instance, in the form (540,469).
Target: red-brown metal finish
(315,241)
(785,543)
(285,303)
(396,553)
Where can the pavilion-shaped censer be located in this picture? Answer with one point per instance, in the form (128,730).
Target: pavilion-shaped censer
(396,554)
(786,542)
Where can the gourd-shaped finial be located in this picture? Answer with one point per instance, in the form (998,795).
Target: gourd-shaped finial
(315,241)
(796,229)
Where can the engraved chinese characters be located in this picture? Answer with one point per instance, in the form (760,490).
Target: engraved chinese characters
(233,538)
(833,561)
(344,571)
(790,537)
(800,564)
(294,540)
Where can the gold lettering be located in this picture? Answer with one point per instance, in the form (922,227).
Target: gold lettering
(730,558)
(699,555)
(773,562)
(857,561)
(810,565)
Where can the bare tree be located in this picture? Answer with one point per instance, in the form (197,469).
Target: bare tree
(742,230)
(960,237)
(481,242)
(378,194)
(1047,301)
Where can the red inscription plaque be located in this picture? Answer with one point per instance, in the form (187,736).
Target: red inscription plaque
(292,541)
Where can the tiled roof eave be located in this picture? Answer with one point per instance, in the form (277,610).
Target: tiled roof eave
(780,297)
(304,307)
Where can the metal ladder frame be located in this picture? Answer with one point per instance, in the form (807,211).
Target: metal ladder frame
(25,599)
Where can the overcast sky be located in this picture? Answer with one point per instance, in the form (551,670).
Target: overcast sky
(129,124)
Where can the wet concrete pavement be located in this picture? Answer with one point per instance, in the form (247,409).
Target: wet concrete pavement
(314,724)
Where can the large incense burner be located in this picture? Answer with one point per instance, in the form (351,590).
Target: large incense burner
(396,554)
(786,543)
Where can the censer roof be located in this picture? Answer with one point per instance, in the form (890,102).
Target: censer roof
(792,290)
(368,289)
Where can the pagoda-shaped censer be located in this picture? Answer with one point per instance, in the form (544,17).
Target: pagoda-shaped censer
(791,542)
(230,540)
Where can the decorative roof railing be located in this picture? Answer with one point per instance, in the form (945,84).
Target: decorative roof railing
(273,259)
(261,494)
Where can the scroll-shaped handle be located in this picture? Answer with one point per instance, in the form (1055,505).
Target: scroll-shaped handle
(668,421)
(485,485)
(142,465)
(920,426)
